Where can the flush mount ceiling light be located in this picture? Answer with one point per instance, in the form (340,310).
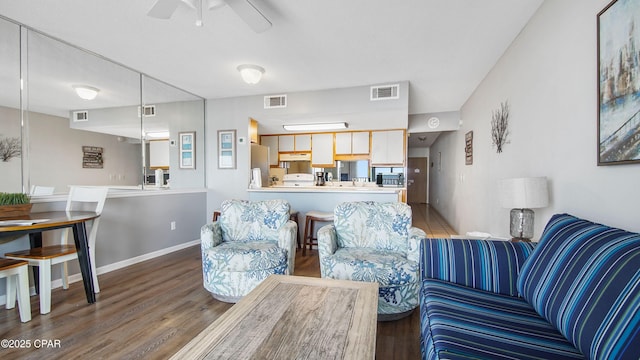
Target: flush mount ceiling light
(316,126)
(86,92)
(251,74)
(158,135)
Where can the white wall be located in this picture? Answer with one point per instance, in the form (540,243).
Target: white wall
(549,77)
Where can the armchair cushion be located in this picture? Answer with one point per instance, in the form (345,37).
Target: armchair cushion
(460,322)
(246,256)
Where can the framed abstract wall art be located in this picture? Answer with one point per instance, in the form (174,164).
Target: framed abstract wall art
(619,83)
(226,149)
(187,150)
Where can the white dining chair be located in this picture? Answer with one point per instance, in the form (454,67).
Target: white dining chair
(38,190)
(80,199)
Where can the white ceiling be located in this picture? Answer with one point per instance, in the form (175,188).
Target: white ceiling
(444,48)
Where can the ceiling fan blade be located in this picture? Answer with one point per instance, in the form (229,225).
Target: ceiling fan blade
(250,14)
(163,9)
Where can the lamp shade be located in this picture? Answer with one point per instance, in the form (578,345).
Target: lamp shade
(524,193)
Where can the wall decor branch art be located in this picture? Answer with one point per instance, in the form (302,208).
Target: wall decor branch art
(500,126)
(10,148)
(619,83)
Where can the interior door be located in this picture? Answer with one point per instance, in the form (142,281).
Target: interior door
(417,180)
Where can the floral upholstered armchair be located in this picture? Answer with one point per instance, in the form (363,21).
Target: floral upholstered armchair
(375,242)
(249,242)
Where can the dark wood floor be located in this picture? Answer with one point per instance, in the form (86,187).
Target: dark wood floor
(151,309)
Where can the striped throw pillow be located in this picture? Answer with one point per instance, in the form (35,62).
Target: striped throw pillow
(584,278)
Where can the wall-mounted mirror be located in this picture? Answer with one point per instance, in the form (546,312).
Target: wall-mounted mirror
(10,128)
(69,139)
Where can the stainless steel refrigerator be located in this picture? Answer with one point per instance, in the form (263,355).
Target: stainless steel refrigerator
(260,160)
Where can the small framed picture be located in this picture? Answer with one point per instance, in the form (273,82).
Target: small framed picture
(226,149)
(187,150)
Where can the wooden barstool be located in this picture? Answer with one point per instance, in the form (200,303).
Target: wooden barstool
(16,272)
(311,218)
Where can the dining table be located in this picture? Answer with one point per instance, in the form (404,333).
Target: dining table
(37,222)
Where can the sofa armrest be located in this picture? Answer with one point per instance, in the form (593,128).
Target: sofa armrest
(327,241)
(488,265)
(287,236)
(210,235)
(416,236)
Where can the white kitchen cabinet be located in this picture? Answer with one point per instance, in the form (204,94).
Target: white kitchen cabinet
(322,150)
(302,142)
(159,154)
(286,143)
(360,143)
(343,143)
(352,143)
(387,147)
(272,143)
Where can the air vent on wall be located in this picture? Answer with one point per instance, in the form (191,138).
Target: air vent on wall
(275,101)
(149,110)
(385,92)
(79,116)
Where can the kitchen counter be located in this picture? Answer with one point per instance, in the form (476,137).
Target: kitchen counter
(330,189)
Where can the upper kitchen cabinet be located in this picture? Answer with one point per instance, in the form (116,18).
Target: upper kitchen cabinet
(388,147)
(352,143)
(271,141)
(322,151)
(299,143)
(302,142)
(286,143)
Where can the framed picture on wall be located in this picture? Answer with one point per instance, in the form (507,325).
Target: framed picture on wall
(619,83)
(187,150)
(226,149)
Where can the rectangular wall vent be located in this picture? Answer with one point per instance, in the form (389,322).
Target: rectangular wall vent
(148,110)
(385,92)
(80,116)
(275,101)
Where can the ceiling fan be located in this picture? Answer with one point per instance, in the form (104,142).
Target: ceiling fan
(163,9)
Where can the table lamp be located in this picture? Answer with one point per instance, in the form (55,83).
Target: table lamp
(521,195)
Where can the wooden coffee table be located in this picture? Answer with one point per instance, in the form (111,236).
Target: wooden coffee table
(294,317)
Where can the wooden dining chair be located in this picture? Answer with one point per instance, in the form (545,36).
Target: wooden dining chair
(17,277)
(80,199)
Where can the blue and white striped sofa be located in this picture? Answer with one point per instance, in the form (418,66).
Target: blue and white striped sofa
(574,295)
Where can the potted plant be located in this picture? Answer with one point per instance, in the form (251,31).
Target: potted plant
(14,204)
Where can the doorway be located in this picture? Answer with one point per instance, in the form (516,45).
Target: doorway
(417,180)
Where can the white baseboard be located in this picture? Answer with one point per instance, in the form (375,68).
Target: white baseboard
(115,266)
